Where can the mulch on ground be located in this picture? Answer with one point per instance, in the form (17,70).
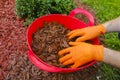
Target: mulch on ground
(14,63)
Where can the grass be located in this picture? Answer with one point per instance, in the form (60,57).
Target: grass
(105,11)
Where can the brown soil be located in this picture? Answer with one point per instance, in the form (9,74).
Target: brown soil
(14,64)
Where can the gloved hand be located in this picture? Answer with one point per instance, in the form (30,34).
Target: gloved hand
(81,53)
(87,33)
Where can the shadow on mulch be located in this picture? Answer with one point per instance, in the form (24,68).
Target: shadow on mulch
(14,64)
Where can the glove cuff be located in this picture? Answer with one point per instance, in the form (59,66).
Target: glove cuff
(102,29)
(99,52)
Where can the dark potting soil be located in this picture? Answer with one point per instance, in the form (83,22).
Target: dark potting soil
(48,40)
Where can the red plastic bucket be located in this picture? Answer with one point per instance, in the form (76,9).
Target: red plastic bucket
(69,22)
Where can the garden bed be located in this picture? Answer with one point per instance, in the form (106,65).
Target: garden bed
(14,63)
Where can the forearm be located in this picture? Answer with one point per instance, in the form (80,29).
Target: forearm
(113,25)
(111,57)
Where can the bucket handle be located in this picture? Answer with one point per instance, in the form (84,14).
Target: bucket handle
(86,13)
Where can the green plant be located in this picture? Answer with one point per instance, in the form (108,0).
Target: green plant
(24,8)
(31,9)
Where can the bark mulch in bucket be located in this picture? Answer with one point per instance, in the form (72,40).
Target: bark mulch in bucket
(48,40)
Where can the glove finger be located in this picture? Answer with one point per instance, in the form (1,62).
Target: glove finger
(75,65)
(75,35)
(78,64)
(70,61)
(83,38)
(66,57)
(72,32)
(74,43)
(64,51)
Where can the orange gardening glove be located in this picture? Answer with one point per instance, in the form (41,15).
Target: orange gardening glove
(86,33)
(81,53)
